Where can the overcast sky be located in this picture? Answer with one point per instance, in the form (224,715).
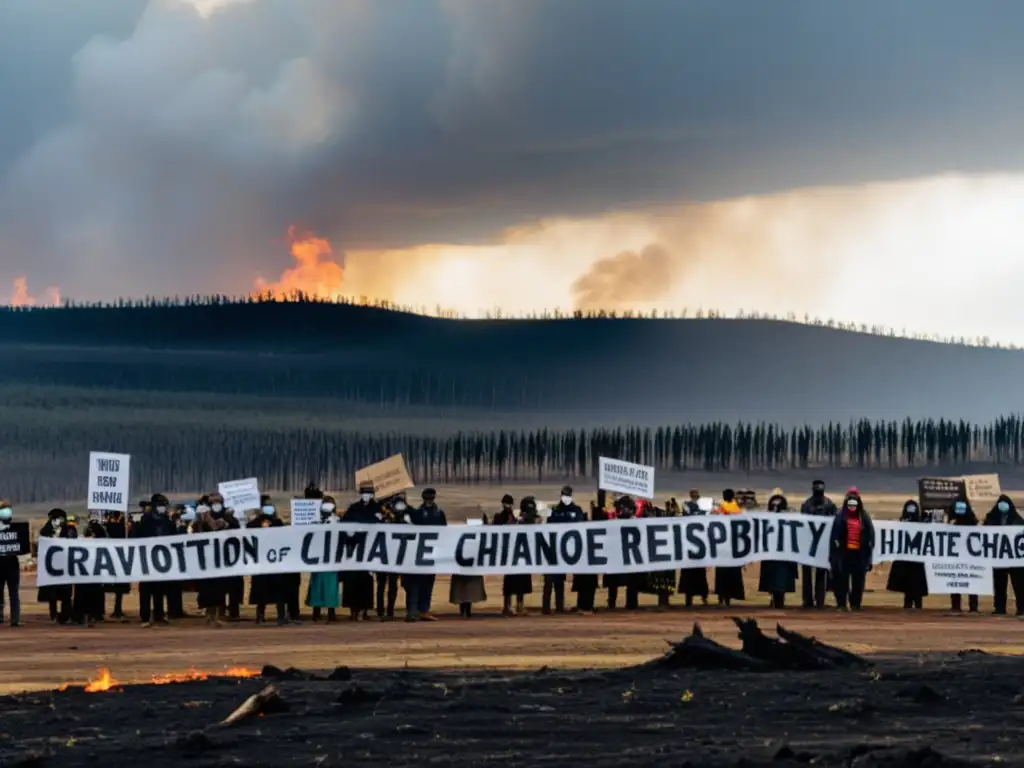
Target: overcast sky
(156,147)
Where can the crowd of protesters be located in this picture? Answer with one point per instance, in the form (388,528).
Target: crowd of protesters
(358,593)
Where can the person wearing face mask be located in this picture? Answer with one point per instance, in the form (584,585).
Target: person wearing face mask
(777,578)
(87,603)
(10,570)
(729,579)
(269,588)
(116,526)
(554,583)
(154,523)
(1004,513)
(59,596)
(174,591)
(211,592)
(624,508)
(585,584)
(358,593)
(961,513)
(323,591)
(693,582)
(513,585)
(905,576)
(816,580)
(395,511)
(419,588)
(234,586)
(852,547)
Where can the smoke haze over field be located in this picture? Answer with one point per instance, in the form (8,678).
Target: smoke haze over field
(858,160)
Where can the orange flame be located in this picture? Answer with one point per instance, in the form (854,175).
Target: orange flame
(20,297)
(105,681)
(312,276)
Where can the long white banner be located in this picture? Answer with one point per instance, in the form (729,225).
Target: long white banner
(619,546)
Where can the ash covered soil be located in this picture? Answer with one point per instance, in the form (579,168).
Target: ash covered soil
(936,710)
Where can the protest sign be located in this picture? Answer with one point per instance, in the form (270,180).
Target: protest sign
(937,494)
(388,477)
(624,477)
(240,495)
(305,511)
(616,546)
(109,475)
(951,577)
(982,487)
(14,540)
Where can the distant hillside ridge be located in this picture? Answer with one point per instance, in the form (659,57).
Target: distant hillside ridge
(635,370)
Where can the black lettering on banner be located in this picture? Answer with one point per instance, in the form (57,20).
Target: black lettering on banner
(487,552)
(521,553)
(126,555)
(403,540)
(571,548)
(460,558)
(271,555)
(76,561)
(547,551)
(179,551)
(677,542)
(718,534)
(307,544)
(425,549)
(232,552)
(630,538)
(200,545)
(378,549)
(52,552)
(741,544)
(696,534)
(656,544)
(351,546)
(817,533)
(793,526)
(161,557)
(104,564)
(595,546)
(250,549)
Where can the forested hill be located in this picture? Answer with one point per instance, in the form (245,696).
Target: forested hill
(613,370)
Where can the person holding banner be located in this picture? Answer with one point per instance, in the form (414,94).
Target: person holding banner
(10,571)
(514,585)
(322,591)
(693,582)
(116,526)
(777,578)
(357,593)
(816,580)
(394,510)
(211,593)
(661,583)
(269,588)
(585,584)
(234,586)
(729,580)
(625,508)
(87,604)
(852,547)
(419,587)
(905,576)
(58,596)
(961,513)
(1005,513)
(564,512)
(154,524)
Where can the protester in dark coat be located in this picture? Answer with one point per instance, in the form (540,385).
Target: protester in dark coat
(211,592)
(693,582)
(961,513)
(234,586)
(419,588)
(1005,513)
(514,585)
(905,576)
(624,509)
(10,571)
(852,547)
(816,580)
(394,510)
(154,523)
(660,583)
(58,596)
(87,604)
(778,578)
(116,526)
(269,588)
(729,579)
(357,591)
(565,512)
(584,584)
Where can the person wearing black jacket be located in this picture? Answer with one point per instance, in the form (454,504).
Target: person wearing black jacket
(905,576)
(777,578)
(961,513)
(116,526)
(514,585)
(1005,513)
(693,582)
(153,524)
(852,547)
(585,584)
(58,596)
(357,593)
(394,511)
(234,586)
(269,588)
(815,580)
(10,571)
(564,512)
(419,587)
(87,604)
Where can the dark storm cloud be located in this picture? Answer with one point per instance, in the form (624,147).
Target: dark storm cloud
(171,154)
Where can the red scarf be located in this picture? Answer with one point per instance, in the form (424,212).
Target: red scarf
(853,526)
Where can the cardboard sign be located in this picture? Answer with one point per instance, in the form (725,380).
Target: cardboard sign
(14,539)
(624,477)
(388,477)
(982,487)
(305,511)
(240,495)
(949,577)
(108,481)
(937,494)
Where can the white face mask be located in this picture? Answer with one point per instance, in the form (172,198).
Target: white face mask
(58,522)
(327,507)
(400,506)
(268,510)
(567,500)
(161,510)
(202,509)
(366,497)
(217,508)
(6,513)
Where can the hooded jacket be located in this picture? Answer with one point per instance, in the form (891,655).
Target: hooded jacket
(839,534)
(995,517)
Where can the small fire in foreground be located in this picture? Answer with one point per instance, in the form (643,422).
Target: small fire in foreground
(104,681)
